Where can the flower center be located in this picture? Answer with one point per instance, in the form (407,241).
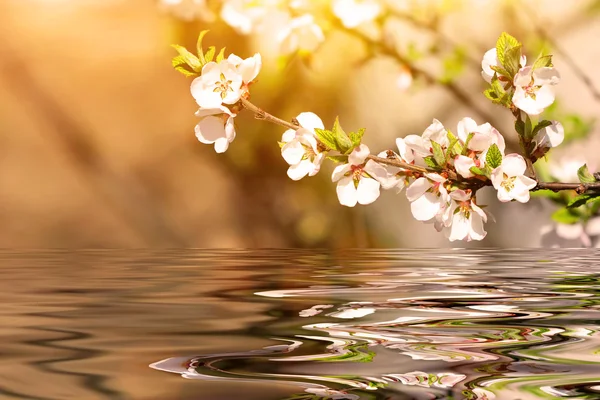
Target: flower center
(356,171)
(223,86)
(531,90)
(508,183)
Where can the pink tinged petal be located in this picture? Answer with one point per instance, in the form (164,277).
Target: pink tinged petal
(552,135)
(544,97)
(526,103)
(460,227)
(230,129)
(546,76)
(437,133)
(522,185)
(569,231)
(293,152)
(310,121)
(498,139)
(497,177)
(209,129)
(435,177)
(317,164)
(592,227)
(358,155)
(425,207)
(460,195)
(478,210)
(513,165)
(405,152)
(367,191)
(523,77)
(477,231)
(339,172)
(205,112)
(346,192)
(221,145)
(309,140)
(417,189)
(288,136)
(466,126)
(490,58)
(376,170)
(480,142)
(300,170)
(463,164)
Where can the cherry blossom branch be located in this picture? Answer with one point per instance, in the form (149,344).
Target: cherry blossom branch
(261,114)
(580,188)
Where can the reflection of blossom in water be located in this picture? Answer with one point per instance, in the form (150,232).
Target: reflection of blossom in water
(423,379)
(482,394)
(314,310)
(332,394)
(349,313)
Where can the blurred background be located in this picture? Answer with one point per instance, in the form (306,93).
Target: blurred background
(97,145)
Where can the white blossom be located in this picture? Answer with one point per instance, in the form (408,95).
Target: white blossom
(490,59)
(248,68)
(585,233)
(301,150)
(428,197)
(510,181)
(215,127)
(550,136)
(357,181)
(301,34)
(397,177)
(421,145)
(481,138)
(353,13)
(534,89)
(246,16)
(218,84)
(466,218)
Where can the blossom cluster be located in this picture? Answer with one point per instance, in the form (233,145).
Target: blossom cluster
(441,171)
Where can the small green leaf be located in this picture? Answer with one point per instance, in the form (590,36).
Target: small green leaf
(520,127)
(356,137)
(566,216)
(499,70)
(326,138)
(512,59)
(582,199)
(541,125)
(452,151)
(466,146)
(220,56)
(188,58)
(430,162)
(542,61)
(208,56)
(199,46)
(477,171)
(338,159)
(343,141)
(528,127)
(281,144)
(491,94)
(493,157)
(584,175)
(438,154)
(505,42)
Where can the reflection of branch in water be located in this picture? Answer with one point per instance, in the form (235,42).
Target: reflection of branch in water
(126,195)
(94,382)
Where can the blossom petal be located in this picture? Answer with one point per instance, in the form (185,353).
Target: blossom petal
(460,227)
(463,165)
(221,145)
(250,67)
(340,171)
(477,232)
(288,136)
(300,170)
(417,189)
(466,126)
(425,207)
(359,155)
(346,192)
(513,165)
(546,76)
(367,190)
(376,170)
(293,152)
(310,121)
(592,227)
(209,129)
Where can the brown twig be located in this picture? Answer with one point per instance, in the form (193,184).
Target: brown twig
(580,188)
(261,114)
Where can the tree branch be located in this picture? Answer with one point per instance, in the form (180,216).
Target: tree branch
(580,188)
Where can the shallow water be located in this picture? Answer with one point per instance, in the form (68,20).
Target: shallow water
(300,325)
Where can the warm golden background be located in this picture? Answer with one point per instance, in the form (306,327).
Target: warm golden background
(96,130)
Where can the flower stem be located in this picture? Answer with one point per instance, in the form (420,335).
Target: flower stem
(261,114)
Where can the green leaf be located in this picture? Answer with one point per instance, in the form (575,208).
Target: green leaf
(499,70)
(520,127)
(199,46)
(438,154)
(566,216)
(485,171)
(549,194)
(490,94)
(493,157)
(528,127)
(512,59)
(430,162)
(356,137)
(505,43)
(338,159)
(343,141)
(326,138)
(542,61)
(220,56)
(452,146)
(583,199)
(584,175)
(188,58)
(208,56)
(541,125)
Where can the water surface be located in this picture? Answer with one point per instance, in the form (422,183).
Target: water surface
(287,324)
